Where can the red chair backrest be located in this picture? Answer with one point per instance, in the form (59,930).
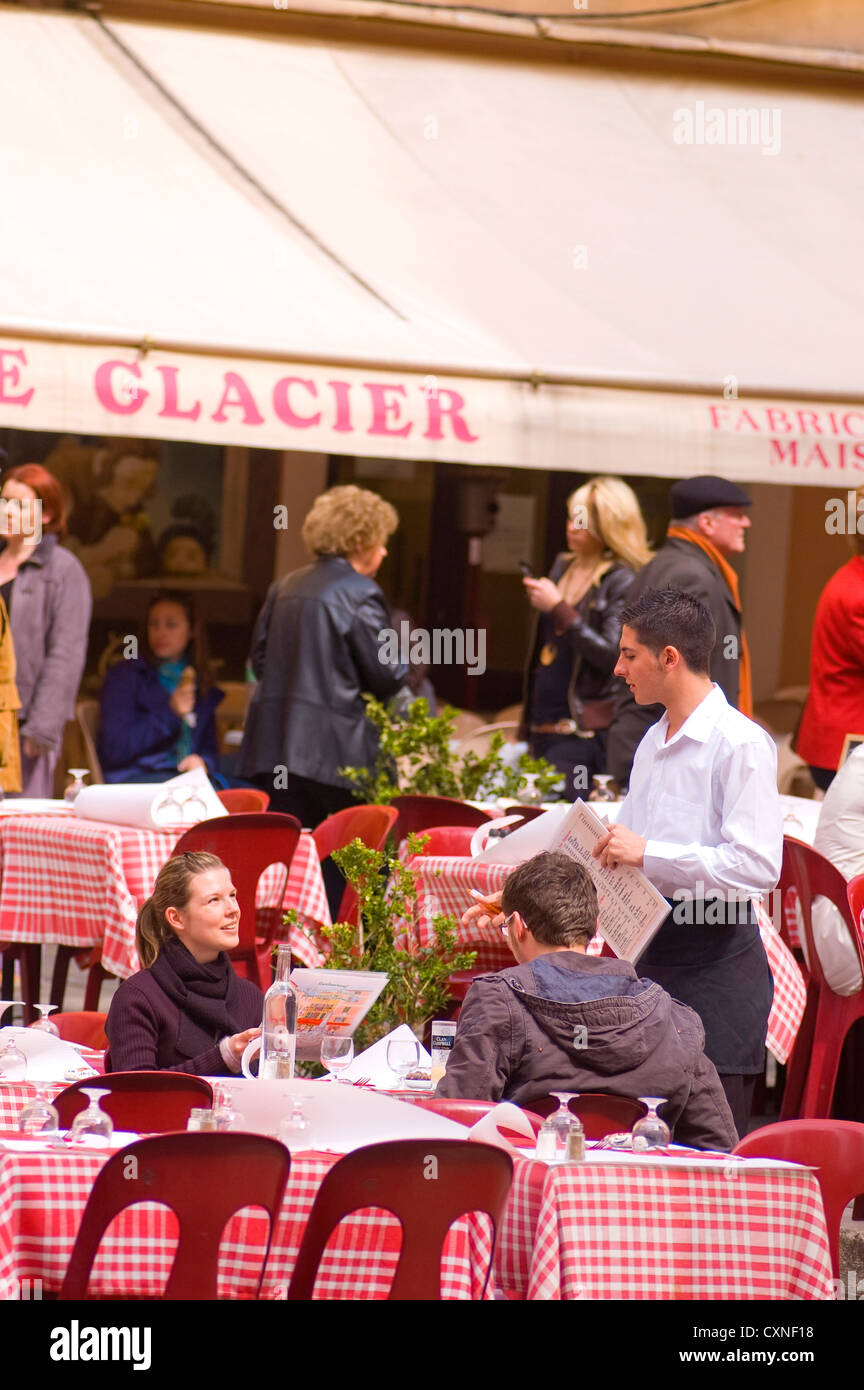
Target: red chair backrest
(418,813)
(240,800)
(395,1176)
(143,1101)
(468,1112)
(371,824)
(526,812)
(812,876)
(204,1179)
(449,839)
(247,845)
(600,1113)
(834,1147)
(86,1027)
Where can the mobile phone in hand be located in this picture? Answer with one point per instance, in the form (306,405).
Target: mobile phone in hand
(527,570)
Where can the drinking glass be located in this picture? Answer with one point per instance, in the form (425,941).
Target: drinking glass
(77,784)
(296,1131)
(337,1053)
(91,1124)
(194,808)
(168,811)
(651,1132)
(529,795)
(39,1116)
(600,788)
(45,1024)
(13,1063)
(560,1122)
(403,1055)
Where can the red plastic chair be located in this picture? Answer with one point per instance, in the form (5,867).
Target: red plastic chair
(600,1112)
(828,1017)
(470,1177)
(468,1112)
(247,845)
(834,1147)
(85,1027)
(449,839)
(204,1179)
(526,812)
(240,801)
(142,1101)
(371,824)
(418,813)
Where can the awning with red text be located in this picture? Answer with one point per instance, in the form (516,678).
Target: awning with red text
(313,245)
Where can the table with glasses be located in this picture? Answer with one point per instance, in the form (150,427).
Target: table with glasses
(66,880)
(692,1226)
(43,1194)
(445,883)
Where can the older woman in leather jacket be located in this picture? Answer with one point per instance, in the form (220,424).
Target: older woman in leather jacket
(569,685)
(315,652)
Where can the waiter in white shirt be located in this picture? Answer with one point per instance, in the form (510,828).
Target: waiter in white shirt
(702,820)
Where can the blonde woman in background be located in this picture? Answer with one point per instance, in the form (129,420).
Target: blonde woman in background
(569,685)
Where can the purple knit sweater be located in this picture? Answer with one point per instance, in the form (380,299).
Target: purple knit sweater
(144,1024)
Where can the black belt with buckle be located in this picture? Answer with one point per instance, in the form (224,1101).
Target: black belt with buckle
(563,726)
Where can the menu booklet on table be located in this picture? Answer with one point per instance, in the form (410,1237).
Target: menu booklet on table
(334,1001)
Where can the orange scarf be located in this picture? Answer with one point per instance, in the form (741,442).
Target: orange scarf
(745,690)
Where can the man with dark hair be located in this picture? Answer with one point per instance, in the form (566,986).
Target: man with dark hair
(563,1020)
(709,525)
(702,819)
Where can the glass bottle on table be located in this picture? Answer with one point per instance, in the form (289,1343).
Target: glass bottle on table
(279,1024)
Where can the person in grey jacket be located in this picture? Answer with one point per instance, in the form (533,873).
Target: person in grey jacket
(48,596)
(565,1021)
(315,651)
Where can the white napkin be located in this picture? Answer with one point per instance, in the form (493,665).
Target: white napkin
(373,1062)
(505,1116)
(48,1058)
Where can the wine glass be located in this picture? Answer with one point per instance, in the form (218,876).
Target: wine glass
(13,1063)
(7,1004)
(39,1116)
(296,1131)
(43,1023)
(193,808)
(168,810)
(77,784)
(560,1121)
(529,795)
(92,1124)
(600,788)
(337,1053)
(651,1132)
(403,1055)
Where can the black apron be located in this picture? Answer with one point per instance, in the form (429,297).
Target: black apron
(722,972)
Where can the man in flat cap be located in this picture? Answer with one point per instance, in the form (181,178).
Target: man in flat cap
(709,525)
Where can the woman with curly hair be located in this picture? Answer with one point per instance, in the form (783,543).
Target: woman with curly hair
(569,685)
(315,651)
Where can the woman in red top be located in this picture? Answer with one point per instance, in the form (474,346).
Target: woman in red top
(835,703)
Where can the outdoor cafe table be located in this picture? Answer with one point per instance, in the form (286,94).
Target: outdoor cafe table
(43,1195)
(444,885)
(66,880)
(683,1228)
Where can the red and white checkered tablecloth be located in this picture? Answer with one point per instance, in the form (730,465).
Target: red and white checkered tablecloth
(14,1095)
(81,883)
(695,1228)
(444,885)
(42,1196)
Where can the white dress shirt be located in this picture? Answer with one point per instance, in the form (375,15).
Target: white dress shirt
(707,803)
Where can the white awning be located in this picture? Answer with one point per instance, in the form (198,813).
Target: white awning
(395,252)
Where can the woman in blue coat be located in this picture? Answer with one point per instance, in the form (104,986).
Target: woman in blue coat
(158,711)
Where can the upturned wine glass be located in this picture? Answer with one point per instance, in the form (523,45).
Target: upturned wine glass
(77,784)
(337,1053)
(44,1024)
(39,1116)
(403,1055)
(91,1124)
(295,1130)
(601,790)
(560,1121)
(13,1063)
(651,1132)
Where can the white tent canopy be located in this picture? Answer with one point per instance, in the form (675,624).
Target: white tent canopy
(396,252)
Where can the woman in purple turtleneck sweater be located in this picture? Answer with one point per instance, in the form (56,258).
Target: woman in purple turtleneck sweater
(186,1010)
